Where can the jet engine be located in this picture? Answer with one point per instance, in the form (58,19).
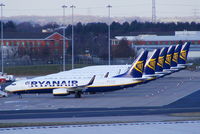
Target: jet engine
(61,92)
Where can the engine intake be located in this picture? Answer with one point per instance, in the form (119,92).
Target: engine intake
(61,92)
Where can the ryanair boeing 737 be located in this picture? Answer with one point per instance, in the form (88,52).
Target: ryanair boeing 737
(61,87)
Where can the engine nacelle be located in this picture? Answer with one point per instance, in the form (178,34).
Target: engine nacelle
(61,92)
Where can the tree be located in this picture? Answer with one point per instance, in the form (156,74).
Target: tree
(25,27)
(52,25)
(10,26)
(123,50)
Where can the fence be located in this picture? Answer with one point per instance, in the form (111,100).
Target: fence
(77,60)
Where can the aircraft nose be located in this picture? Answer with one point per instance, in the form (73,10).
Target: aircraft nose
(8,89)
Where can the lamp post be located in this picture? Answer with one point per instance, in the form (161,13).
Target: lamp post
(2,5)
(72,7)
(64,41)
(109,6)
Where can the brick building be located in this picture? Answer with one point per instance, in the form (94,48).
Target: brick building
(36,41)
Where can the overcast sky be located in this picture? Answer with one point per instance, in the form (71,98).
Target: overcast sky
(120,8)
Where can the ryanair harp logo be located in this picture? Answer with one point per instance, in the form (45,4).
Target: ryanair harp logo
(183,55)
(152,64)
(175,57)
(168,59)
(160,61)
(139,66)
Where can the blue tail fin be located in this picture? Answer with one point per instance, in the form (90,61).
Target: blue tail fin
(161,59)
(167,63)
(151,63)
(183,54)
(176,54)
(137,67)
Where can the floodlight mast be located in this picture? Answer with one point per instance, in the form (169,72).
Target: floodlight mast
(109,53)
(2,44)
(72,7)
(64,39)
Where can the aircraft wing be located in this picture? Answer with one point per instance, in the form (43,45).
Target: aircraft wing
(77,89)
(83,86)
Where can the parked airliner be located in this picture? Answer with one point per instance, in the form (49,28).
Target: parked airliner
(69,85)
(60,87)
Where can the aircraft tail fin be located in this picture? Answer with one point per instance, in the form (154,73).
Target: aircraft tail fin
(176,54)
(183,54)
(136,69)
(167,63)
(161,59)
(151,62)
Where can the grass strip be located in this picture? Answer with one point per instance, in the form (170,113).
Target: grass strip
(37,124)
(38,69)
(191,114)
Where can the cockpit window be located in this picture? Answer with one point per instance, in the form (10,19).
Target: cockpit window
(13,84)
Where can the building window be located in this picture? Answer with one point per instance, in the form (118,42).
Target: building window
(27,43)
(23,44)
(31,44)
(47,44)
(12,43)
(56,43)
(39,44)
(7,43)
(56,51)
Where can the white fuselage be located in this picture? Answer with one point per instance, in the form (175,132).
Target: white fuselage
(47,85)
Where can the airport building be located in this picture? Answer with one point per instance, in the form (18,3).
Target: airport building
(36,41)
(153,41)
(150,42)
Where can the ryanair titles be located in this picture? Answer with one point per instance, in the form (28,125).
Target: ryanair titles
(70,83)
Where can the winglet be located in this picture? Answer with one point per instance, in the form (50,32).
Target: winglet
(91,81)
(106,76)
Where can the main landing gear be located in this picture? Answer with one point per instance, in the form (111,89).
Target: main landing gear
(20,96)
(78,94)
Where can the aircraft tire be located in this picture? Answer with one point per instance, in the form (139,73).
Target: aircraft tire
(77,94)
